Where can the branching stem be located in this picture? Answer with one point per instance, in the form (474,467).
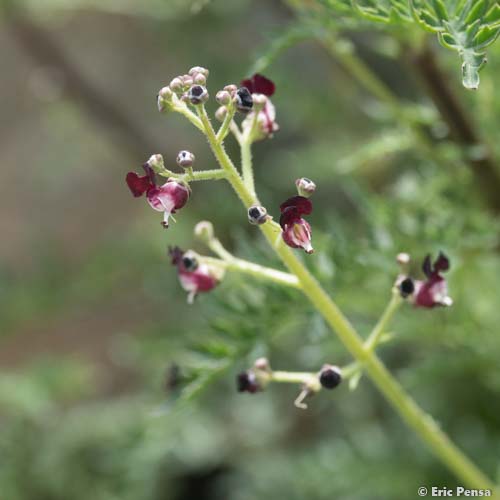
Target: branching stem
(421,423)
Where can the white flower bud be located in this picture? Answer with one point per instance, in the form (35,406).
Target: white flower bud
(305,187)
(185,159)
(403,258)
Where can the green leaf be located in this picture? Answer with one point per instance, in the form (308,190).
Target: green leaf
(466,26)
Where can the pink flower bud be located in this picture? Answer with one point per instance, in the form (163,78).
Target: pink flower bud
(176,85)
(223,97)
(197,70)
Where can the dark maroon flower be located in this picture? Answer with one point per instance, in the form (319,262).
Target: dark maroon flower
(167,198)
(259,84)
(433,291)
(247,382)
(296,230)
(261,89)
(195,277)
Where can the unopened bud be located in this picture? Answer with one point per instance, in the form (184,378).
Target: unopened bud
(262,364)
(231,88)
(198,69)
(259,101)
(223,97)
(156,163)
(257,215)
(185,159)
(176,85)
(330,376)
(164,98)
(204,230)
(305,187)
(200,79)
(403,258)
(197,94)
(187,81)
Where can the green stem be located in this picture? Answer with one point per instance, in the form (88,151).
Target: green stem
(218,249)
(246,165)
(292,377)
(180,107)
(246,154)
(198,175)
(224,128)
(416,418)
(255,270)
(374,338)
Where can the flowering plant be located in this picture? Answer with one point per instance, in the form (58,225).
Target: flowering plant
(186,94)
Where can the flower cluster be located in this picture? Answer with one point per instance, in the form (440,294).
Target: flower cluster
(431,292)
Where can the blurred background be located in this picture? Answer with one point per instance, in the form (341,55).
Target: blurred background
(92,317)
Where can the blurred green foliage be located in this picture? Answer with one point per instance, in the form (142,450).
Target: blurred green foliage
(92,316)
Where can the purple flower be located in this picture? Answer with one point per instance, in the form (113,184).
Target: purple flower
(433,291)
(261,89)
(167,198)
(194,277)
(296,230)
